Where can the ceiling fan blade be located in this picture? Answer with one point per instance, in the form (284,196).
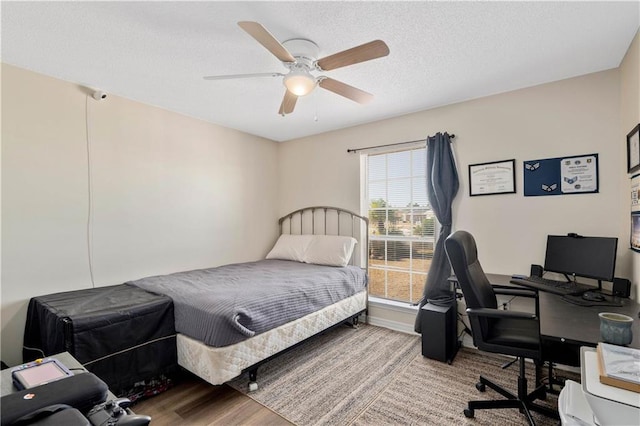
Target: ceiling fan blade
(227,77)
(345,90)
(265,38)
(288,103)
(364,52)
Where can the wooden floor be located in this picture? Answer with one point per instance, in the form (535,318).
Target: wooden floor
(193,401)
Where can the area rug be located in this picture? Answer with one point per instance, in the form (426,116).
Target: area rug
(375,376)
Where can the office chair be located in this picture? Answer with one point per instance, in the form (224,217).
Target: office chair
(497,331)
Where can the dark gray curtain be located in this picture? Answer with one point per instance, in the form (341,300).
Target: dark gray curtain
(442,186)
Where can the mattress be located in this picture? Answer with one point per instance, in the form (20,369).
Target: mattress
(218,365)
(231,303)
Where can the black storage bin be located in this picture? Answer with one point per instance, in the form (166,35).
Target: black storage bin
(121,333)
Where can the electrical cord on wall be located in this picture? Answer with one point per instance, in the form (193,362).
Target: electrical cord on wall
(90,194)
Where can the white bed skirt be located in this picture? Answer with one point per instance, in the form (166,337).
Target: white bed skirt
(219,365)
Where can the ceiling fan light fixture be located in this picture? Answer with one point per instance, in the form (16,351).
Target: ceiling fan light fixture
(299,82)
(300,55)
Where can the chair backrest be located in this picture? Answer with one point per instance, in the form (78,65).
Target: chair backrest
(476,288)
(463,256)
(478,293)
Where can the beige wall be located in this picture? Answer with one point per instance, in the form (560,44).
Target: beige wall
(630,117)
(173,193)
(169,193)
(570,117)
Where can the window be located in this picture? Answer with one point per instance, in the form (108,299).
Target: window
(402,226)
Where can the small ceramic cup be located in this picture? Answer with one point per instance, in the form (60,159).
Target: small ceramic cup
(615,328)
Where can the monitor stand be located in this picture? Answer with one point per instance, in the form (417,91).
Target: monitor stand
(569,280)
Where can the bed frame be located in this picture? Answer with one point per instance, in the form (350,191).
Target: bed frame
(324,220)
(218,365)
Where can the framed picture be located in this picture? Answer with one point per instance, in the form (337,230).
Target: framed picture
(635,231)
(635,193)
(633,150)
(577,174)
(497,177)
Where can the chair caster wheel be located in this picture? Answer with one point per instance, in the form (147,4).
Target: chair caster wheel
(480,386)
(253,386)
(468,413)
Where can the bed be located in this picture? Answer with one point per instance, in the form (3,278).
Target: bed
(233,318)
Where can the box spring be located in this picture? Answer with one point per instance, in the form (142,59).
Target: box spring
(219,365)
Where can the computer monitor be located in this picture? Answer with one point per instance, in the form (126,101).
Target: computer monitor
(589,257)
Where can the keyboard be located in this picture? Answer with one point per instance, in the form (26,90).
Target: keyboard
(562,288)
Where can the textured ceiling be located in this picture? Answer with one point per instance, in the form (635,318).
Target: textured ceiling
(441,53)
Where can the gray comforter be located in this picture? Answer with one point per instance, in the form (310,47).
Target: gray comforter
(225,305)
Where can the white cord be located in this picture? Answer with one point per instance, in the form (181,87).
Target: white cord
(35,349)
(128,349)
(90,195)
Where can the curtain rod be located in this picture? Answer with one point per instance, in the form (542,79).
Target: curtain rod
(392,144)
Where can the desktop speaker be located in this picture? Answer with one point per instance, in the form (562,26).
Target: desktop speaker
(439,332)
(621,287)
(536,271)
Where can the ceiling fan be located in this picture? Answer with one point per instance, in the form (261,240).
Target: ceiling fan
(300,57)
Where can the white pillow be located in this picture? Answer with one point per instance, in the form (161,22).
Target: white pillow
(332,250)
(290,247)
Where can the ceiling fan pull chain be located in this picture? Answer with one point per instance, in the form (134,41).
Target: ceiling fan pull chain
(315,101)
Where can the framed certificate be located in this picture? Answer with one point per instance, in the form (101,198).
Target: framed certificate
(633,150)
(635,231)
(576,174)
(497,177)
(579,174)
(635,194)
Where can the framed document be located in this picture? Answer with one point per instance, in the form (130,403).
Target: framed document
(497,177)
(633,150)
(635,231)
(579,174)
(635,194)
(576,174)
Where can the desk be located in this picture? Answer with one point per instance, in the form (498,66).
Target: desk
(565,327)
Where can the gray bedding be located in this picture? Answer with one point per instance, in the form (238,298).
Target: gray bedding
(225,305)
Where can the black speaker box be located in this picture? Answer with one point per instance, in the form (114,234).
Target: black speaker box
(621,287)
(439,332)
(536,271)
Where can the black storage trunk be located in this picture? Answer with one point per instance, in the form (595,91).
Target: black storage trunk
(121,333)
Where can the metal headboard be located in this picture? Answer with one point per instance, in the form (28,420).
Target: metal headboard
(325,220)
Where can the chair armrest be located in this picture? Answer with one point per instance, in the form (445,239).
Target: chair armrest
(510,291)
(499,313)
